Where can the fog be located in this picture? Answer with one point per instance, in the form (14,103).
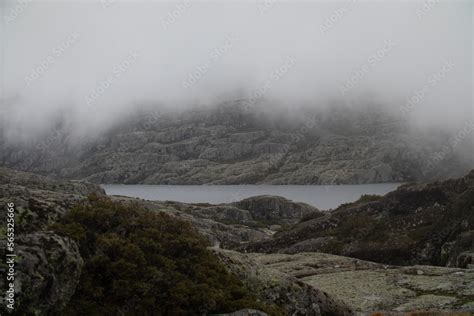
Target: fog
(92,63)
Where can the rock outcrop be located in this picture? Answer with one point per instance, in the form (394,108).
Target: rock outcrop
(271,285)
(48,266)
(218,228)
(232,144)
(47,274)
(277,209)
(12,178)
(229,225)
(426,223)
(368,287)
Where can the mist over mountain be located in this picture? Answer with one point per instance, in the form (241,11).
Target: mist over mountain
(93,62)
(235,143)
(379,90)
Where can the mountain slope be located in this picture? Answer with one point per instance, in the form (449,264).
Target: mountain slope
(426,223)
(234,144)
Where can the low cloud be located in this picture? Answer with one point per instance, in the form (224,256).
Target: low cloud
(90,63)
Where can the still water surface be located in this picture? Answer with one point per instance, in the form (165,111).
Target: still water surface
(322,196)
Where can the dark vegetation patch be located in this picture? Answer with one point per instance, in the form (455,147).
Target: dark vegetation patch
(311,215)
(139,262)
(365,198)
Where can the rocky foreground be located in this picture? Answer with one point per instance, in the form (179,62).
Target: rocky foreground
(237,144)
(303,281)
(425,223)
(50,265)
(367,286)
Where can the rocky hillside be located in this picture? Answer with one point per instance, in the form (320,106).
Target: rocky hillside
(426,223)
(54,262)
(229,225)
(237,144)
(65,239)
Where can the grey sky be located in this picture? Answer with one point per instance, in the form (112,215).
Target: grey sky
(96,60)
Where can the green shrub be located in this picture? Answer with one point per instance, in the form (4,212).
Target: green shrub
(139,262)
(365,198)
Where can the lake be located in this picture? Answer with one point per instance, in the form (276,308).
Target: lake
(321,196)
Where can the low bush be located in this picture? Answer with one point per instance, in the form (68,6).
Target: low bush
(139,262)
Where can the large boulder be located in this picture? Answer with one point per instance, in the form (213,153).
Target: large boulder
(269,207)
(47,272)
(47,266)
